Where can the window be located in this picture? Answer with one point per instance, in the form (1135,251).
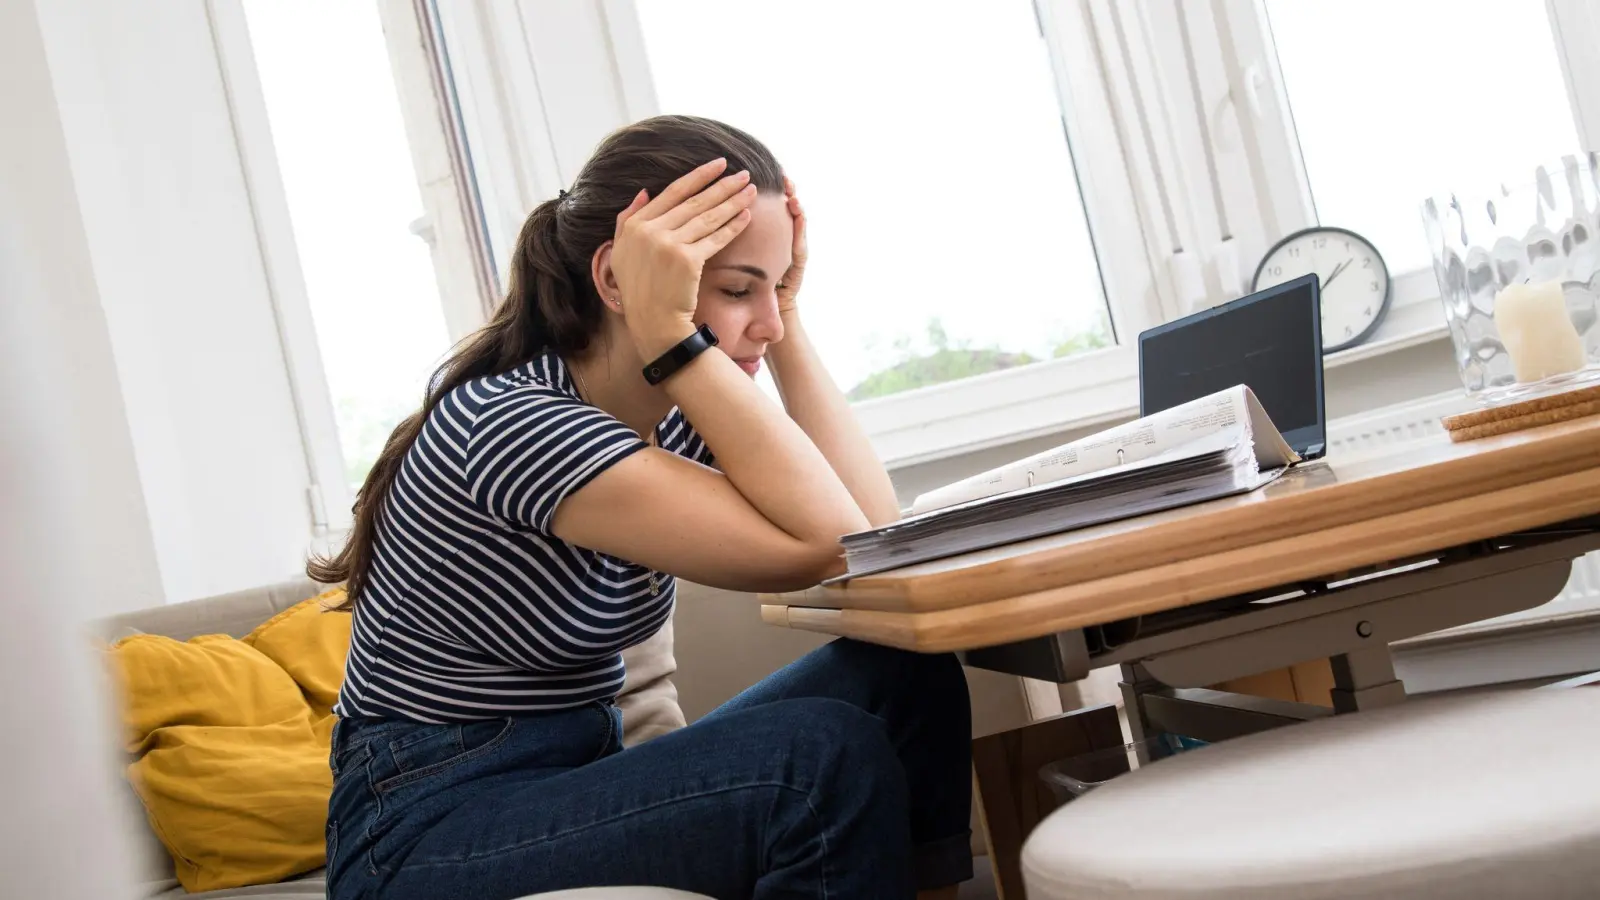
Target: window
(995,184)
(948,236)
(355,209)
(1445,96)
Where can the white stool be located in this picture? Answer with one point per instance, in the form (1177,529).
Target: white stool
(1492,796)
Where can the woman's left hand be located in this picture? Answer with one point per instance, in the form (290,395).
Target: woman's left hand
(789,286)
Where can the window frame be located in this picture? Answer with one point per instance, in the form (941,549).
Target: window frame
(1264,169)
(1576,24)
(453,224)
(449,226)
(328,496)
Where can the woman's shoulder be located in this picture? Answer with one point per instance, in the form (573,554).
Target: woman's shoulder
(543,379)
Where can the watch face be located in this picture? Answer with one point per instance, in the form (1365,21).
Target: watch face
(1355,281)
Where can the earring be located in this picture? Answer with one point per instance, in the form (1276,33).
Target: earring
(617,302)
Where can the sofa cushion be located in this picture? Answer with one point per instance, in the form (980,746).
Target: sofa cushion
(231,762)
(649,699)
(310,642)
(211,680)
(277,620)
(238,806)
(233,614)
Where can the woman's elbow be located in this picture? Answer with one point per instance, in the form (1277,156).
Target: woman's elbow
(802,565)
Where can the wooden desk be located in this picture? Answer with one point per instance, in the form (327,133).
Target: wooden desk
(1329,519)
(1371,548)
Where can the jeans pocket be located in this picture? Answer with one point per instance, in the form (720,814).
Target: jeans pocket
(611,739)
(430,749)
(342,758)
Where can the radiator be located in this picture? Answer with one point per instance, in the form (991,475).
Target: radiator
(1419,419)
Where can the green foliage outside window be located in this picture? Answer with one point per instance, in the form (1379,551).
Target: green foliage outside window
(946,360)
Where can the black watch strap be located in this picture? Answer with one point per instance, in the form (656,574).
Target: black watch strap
(671,361)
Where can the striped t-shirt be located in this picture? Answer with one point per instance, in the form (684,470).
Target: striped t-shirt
(473,609)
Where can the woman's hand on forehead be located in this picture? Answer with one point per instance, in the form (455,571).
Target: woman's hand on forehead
(662,245)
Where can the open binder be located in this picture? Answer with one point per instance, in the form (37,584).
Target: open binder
(1215,446)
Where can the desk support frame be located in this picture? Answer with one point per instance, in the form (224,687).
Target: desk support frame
(1166,670)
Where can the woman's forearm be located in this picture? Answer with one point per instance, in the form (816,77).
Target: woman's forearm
(817,405)
(764,453)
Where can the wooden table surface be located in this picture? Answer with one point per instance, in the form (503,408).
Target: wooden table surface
(1339,515)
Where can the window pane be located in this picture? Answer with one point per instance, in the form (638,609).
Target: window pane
(1394,102)
(947,232)
(356,210)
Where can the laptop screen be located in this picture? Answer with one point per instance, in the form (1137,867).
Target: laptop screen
(1270,341)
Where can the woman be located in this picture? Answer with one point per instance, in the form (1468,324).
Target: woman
(518,532)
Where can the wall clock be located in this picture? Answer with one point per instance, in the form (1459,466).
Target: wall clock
(1355,280)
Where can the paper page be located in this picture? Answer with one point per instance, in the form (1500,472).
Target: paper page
(1272,451)
(1137,440)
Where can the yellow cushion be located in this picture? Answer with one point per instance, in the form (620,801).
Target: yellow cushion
(232,743)
(310,643)
(238,806)
(212,680)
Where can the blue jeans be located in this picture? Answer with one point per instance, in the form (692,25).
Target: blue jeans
(844,775)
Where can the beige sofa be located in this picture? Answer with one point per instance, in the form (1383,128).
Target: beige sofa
(717,636)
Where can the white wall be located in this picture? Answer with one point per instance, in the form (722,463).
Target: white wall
(73,539)
(169,239)
(71,491)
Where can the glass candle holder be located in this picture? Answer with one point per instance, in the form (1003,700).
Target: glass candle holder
(1519,274)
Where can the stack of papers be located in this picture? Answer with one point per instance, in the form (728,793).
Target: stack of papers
(1213,447)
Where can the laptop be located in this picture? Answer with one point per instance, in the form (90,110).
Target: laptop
(1269,341)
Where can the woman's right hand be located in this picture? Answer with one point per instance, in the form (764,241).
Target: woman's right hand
(662,245)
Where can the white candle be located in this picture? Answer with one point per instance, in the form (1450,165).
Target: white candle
(1536,330)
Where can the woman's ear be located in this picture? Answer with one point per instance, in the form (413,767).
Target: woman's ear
(605,280)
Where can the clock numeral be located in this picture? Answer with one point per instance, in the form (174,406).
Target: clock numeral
(1295,252)
(1276,271)
(1367,311)
(1373,286)
(1348,331)
(1319,243)
(1366,263)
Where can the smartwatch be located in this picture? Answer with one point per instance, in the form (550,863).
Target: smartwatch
(676,358)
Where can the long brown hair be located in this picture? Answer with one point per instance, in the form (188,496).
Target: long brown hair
(551,302)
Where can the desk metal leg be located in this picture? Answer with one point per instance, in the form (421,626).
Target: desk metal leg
(1364,679)
(1136,682)
(1135,685)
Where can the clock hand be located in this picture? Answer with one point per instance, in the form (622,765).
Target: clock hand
(1335,273)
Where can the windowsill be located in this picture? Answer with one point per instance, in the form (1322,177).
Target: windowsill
(1084,391)
(1373,349)
(1518,623)
(1415,317)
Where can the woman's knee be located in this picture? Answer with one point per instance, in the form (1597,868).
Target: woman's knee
(935,679)
(942,673)
(839,745)
(941,666)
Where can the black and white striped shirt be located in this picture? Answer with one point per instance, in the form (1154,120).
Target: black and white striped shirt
(473,609)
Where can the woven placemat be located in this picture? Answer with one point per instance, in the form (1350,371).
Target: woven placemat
(1523,414)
